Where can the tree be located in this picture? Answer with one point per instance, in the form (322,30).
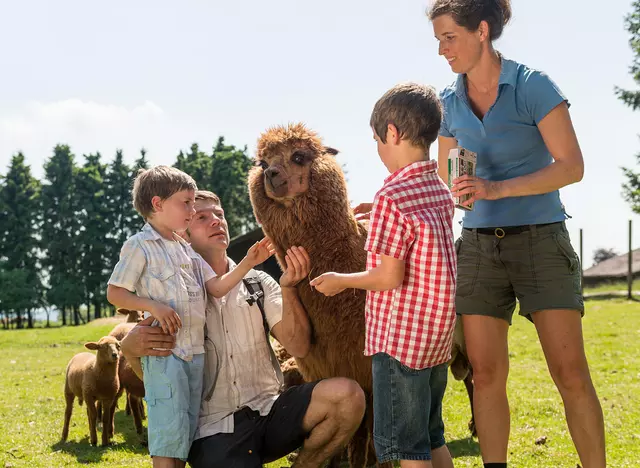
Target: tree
(60,233)
(631,188)
(93,218)
(19,199)
(600,255)
(225,173)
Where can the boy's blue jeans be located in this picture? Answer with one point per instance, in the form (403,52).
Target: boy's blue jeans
(407,409)
(173,392)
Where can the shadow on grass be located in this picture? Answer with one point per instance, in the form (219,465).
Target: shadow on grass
(84,452)
(464,448)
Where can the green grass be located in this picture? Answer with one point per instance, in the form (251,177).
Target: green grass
(32,365)
(613,286)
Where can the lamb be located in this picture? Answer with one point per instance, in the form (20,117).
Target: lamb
(134,387)
(129,381)
(299,196)
(94,378)
(290,371)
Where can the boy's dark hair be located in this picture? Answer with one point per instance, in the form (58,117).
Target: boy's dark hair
(161,181)
(414,109)
(470,13)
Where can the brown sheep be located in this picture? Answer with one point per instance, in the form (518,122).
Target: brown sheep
(134,387)
(461,369)
(133,316)
(299,196)
(129,381)
(91,378)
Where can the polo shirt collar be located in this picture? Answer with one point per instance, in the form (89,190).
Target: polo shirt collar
(508,75)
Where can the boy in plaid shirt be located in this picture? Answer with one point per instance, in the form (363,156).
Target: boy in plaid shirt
(410,279)
(158,272)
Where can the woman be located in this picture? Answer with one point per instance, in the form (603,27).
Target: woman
(514,243)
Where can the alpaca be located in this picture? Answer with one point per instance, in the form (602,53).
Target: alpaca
(299,196)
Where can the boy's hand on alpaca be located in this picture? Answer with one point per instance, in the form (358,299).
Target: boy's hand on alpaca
(328,284)
(167,317)
(364,210)
(260,252)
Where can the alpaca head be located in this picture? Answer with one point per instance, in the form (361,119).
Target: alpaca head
(292,162)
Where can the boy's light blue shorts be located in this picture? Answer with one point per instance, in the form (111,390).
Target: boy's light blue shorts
(173,391)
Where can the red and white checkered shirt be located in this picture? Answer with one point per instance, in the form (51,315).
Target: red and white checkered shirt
(412,220)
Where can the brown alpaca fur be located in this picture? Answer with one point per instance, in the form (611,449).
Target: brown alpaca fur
(91,378)
(312,211)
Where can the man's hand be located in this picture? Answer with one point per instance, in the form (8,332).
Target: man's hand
(328,284)
(143,338)
(168,318)
(298,267)
(260,252)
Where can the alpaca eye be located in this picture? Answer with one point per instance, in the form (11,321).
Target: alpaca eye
(298,158)
(262,164)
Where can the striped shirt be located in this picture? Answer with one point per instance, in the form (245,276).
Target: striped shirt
(238,370)
(411,219)
(172,273)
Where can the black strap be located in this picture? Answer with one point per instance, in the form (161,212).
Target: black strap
(256,294)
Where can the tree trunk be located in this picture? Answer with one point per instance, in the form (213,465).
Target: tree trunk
(63,311)
(76,315)
(29,319)
(97,307)
(18,319)
(48,312)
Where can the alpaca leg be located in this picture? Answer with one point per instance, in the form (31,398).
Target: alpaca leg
(359,445)
(69,397)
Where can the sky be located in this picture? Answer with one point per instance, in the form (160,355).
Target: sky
(162,74)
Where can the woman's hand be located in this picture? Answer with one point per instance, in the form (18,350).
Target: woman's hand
(479,189)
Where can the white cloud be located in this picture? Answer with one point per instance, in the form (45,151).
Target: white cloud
(86,126)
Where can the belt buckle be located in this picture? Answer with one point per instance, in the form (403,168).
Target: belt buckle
(499,233)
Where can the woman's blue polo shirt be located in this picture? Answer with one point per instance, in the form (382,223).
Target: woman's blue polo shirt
(507,142)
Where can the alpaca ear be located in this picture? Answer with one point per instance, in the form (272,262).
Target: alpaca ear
(330,150)
(92,345)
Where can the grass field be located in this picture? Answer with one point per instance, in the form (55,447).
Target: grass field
(32,367)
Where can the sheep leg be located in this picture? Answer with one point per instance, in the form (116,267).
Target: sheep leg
(135,410)
(468,383)
(98,413)
(69,397)
(142,411)
(108,425)
(92,415)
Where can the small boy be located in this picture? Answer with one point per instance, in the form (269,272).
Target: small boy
(410,279)
(169,279)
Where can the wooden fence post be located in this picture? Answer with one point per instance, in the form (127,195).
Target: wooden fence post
(630,270)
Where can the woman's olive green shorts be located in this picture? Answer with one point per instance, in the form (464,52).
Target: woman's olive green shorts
(536,265)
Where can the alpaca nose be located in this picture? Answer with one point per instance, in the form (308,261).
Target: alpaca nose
(271,172)
(114,355)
